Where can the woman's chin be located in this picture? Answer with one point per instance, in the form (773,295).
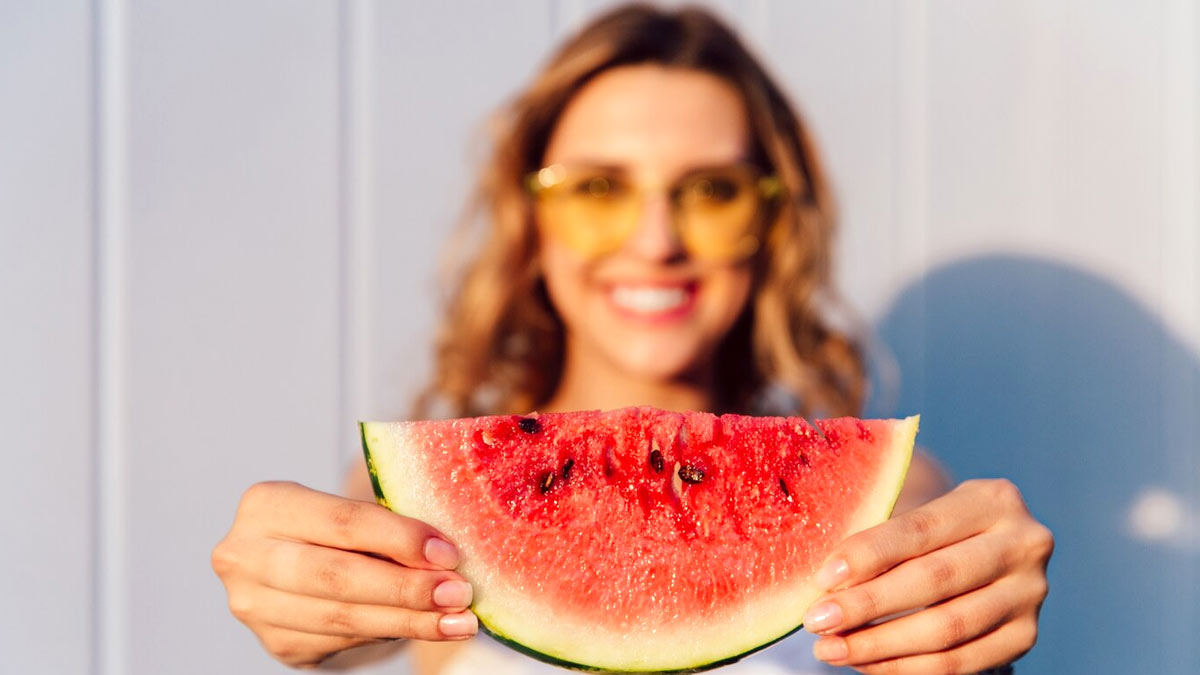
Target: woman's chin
(657,365)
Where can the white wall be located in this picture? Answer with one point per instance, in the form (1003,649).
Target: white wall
(220,223)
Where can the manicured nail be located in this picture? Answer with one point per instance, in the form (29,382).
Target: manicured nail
(458,625)
(440,553)
(452,593)
(831,649)
(823,617)
(833,573)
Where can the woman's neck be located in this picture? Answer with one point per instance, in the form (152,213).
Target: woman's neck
(593,384)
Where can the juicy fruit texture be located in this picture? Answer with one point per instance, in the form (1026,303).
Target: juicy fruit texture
(639,539)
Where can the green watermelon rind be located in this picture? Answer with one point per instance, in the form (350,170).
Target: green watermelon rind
(380,498)
(911,426)
(555,661)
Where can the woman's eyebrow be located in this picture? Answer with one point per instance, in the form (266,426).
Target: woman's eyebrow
(598,165)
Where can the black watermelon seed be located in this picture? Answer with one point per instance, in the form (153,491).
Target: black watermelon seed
(786,493)
(691,474)
(804,460)
(566,470)
(547,482)
(656,460)
(529,425)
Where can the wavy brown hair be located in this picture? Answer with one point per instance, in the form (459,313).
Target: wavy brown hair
(501,345)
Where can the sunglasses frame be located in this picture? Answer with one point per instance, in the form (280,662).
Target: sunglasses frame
(768,186)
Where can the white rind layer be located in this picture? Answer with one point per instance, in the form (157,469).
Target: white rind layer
(527,620)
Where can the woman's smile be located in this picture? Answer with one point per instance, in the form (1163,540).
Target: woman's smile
(652,301)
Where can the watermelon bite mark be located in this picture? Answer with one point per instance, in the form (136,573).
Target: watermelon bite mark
(641,540)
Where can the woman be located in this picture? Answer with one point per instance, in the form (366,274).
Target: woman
(659,234)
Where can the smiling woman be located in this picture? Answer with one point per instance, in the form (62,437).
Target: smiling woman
(653,201)
(650,308)
(658,233)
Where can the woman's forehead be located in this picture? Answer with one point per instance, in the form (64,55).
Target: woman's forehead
(652,120)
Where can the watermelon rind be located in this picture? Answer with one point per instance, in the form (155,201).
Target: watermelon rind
(554,661)
(513,620)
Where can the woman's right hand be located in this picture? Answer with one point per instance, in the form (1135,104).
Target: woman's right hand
(313,574)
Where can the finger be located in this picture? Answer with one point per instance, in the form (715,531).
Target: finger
(334,574)
(968,510)
(1004,645)
(347,524)
(933,629)
(342,619)
(919,582)
(298,649)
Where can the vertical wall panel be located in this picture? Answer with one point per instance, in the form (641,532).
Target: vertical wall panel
(46,384)
(837,62)
(232,251)
(1047,122)
(1180,284)
(438,79)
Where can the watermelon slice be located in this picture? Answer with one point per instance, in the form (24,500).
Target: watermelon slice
(641,540)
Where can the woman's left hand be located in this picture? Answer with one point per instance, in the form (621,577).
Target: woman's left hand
(972,563)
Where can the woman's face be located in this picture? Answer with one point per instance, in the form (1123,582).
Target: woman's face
(648,309)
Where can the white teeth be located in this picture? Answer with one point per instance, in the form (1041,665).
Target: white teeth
(648,300)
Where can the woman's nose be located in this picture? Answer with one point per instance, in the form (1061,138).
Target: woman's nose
(655,237)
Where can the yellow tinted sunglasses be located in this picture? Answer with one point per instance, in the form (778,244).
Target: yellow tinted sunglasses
(717,212)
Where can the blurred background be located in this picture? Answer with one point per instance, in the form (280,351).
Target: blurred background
(219,231)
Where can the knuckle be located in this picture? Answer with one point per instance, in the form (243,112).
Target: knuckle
(332,577)
(1042,541)
(892,667)
(283,649)
(1041,588)
(864,605)
(346,515)
(1027,636)
(947,663)
(1030,638)
(862,647)
(339,620)
(404,593)
(241,606)
(225,560)
(260,493)
(952,629)
(419,626)
(293,652)
(1005,492)
(939,573)
(922,525)
(858,553)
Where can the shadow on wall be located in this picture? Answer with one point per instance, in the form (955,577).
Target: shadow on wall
(1058,380)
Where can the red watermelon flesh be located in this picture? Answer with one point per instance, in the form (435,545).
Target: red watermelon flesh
(640,539)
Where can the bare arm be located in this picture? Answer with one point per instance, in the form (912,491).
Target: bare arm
(926,481)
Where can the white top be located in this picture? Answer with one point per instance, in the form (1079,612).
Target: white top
(791,656)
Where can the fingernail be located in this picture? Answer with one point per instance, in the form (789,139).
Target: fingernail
(833,573)
(452,593)
(831,649)
(458,625)
(823,617)
(440,553)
